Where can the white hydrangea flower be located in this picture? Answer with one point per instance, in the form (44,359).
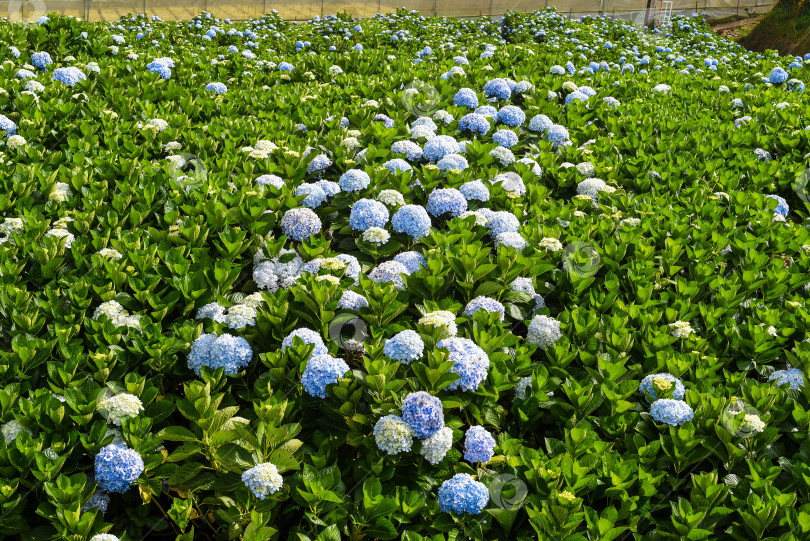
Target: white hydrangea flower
(16,141)
(391,198)
(265,146)
(62,233)
(60,192)
(522,385)
(110,253)
(11,430)
(436,446)
(157,123)
(681,329)
(551,244)
(543,331)
(441,318)
(240,316)
(121,406)
(376,235)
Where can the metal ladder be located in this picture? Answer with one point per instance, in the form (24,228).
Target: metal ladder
(666,13)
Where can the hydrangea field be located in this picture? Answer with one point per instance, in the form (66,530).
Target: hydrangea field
(401,278)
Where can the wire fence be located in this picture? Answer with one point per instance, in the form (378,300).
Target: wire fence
(303,10)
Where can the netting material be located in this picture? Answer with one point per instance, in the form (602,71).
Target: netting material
(236,10)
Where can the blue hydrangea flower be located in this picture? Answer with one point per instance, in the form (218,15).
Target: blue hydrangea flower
(411,150)
(307,336)
(497,88)
(285,66)
(424,413)
(393,435)
(438,147)
(777,76)
(329,188)
(453,162)
(505,138)
(671,412)
(475,123)
(389,271)
(793,376)
(446,200)
(466,97)
(510,239)
(300,223)
(484,303)
(412,261)
(116,467)
(7,125)
(463,494)
(321,371)
(319,164)
(216,88)
(263,480)
(412,220)
(782,207)
(647,386)
(469,361)
(232,353)
(352,301)
(511,115)
(25,74)
(367,213)
(69,76)
(161,68)
(15,52)
(576,95)
(487,111)
(405,346)
(41,60)
(270,180)
(354,180)
(314,195)
(397,165)
(479,445)
(503,221)
(558,135)
(425,121)
(475,190)
(387,121)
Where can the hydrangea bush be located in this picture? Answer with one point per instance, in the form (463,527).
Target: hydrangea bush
(401,278)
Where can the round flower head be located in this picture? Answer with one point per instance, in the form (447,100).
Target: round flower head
(436,446)
(501,222)
(424,121)
(376,235)
(469,361)
(671,412)
(405,346)
(475,123)
(389,271)
(503,155)
(69,76)
(41,60)
(466,97)
(411,150)
(438,147)
(505,138)
(792,376)
(7,125)
(307,336)
(391,198)
(11,430)
(446,201)
(656,385)
(511,182)
(354,180)
(497,88)
(263,480)
(99,500)
(511,115)
(487,111)
(368,213)
(216,88)
(393,435)
(163,70)
(543,331)
(412,261)
(522,386)
(412,220)
(270,180)
(484,303)
(474,190)
(777,76)
(479,445)
(453,162)
(424,413)
(232,353)
(104,536)
(352,301)
(116,467)
(300,223)
(397,165)
(462,494)
(319,164)
(121,406)
(440,319)
(782,207)
(322,370)
(329,188)
(241,316)
(591,187)
(315,196)
(558,135)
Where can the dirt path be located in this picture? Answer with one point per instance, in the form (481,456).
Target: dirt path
(735,24)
